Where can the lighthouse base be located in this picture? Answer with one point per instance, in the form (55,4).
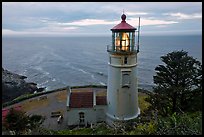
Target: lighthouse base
(115,121)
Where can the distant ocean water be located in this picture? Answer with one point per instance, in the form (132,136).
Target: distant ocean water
(55,62)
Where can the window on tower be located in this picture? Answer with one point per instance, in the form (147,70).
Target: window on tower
(125,79)
(125,60)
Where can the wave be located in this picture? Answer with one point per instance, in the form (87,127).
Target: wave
(56,56)
(81,70)
(101,83)
(101,74)
(51,53)
(43,83)
(39,68)
(37,58)
(24,72)
(53,79)
(93,77)
(85,72)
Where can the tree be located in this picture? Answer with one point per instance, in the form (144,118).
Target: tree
(178,84)
(18,121)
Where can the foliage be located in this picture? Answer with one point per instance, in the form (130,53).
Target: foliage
(179,84)
(147,128)
(36,120)
(99,129)
(176,124)
(143,105)
(18,121)
(23,96)
(41,131)
(180,124)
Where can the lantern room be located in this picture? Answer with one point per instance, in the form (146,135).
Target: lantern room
(123,38)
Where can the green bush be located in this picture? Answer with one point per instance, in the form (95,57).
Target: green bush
(180,124)
(176,124)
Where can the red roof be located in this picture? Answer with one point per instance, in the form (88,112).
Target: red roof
(101,100)
(123,25)
(81,100)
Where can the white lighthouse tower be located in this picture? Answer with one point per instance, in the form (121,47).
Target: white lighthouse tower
(122,88)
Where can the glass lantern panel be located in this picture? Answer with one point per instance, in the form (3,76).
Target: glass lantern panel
(125,41)
(117,41)
(133,41)
(130,34)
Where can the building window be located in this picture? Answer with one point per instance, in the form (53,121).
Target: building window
(125,60)
(81,117)
(125,79)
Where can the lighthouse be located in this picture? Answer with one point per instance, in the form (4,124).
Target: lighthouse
(122,87)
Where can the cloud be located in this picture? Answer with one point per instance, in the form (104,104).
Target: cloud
(161,26)
(179,15)
(60,28)
(136,13)
(87,22)
(96,17)
(147,22)
(49,30)
(9,32)
(172,32)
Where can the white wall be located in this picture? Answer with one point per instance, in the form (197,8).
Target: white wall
(91,115)
(73,115)
(101,113)
(122,102)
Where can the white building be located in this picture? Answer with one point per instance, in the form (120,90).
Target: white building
(122,92)
(85,107)
(121,101)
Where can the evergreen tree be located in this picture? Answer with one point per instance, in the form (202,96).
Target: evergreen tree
(178,84)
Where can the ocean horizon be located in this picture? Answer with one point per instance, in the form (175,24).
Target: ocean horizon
(55,62)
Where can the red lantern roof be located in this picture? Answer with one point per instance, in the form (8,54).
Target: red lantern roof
(123,25)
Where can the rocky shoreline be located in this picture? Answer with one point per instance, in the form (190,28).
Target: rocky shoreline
(14,85)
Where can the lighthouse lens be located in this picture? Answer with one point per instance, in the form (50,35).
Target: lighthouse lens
(125,41)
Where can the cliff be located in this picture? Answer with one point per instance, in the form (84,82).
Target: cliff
(14,85)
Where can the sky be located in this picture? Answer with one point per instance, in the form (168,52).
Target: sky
(97,18)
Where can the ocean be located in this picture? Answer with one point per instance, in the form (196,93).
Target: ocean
(56,62)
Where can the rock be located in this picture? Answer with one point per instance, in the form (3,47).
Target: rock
(40,89)
(23,77)
(31,83)
(100,73)
(14,85)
